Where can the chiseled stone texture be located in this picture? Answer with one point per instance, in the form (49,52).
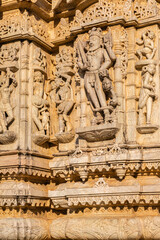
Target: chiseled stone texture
(79,119)
(20,228)
(100,227)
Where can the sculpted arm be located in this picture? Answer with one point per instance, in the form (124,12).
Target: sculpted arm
(107,61)
(57,99)
(142,40)
(146,84)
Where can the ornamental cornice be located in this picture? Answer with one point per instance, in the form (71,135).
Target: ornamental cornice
(103,195)
(18,26)
(115,161)
(25,163)
(107,13)
(22,194)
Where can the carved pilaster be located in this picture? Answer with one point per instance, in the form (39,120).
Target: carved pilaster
(24,97)
(131,115)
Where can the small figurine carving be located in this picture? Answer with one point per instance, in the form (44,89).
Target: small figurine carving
(148,50)
(40,59)
(147,94)
(45,117)
(9,54)
(95,59)
(64,101)
(40,113)
(7,84)
(64,93)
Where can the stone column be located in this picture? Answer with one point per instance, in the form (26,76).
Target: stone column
(131,114)
(24,78)
(119,84)
(83,100)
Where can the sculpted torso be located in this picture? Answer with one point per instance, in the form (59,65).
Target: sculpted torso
(96,59)
(38,89)
(5,92)
(64,93)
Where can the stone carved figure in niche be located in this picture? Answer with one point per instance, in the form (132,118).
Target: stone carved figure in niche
(40,113)
(95,58)
(147,94)
(64,93)
(148,50)
(7,84)
(64,102)
(9,54)
(45,117)
(40,58)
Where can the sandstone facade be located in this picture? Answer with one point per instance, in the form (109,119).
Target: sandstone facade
(79,119)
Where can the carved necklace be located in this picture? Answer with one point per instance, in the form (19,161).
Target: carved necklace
(93,53)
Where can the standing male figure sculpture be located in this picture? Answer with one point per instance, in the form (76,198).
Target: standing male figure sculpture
(95,62)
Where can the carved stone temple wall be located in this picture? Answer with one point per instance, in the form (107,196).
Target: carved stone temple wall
(79,119)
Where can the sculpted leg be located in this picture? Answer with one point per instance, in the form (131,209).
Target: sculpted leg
(151,55)
(68,124)
(61,124)
(102,99)
(3,126)
(92,94)
(139,53)
(68,107)
(149,109)
(36,120)
(100,94)
(10,117)
(141,117)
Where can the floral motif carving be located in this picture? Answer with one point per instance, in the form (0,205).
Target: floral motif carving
(20,228)
(17,23)
(145,9)
(105,11)
(106,228)
(124,53)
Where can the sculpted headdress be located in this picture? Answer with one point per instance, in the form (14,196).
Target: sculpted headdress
(96,32)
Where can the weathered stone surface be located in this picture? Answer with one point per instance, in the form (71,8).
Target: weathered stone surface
(79,119)
(100,227)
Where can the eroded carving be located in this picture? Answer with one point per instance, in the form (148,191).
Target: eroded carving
(148,87)
(95,58)
(7,85)
(9,56)
(40,112)
(148,50)
(107,11)
(17,23)
(64,94)
(95,61)
(147,93)
(40,60)
(113,228)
